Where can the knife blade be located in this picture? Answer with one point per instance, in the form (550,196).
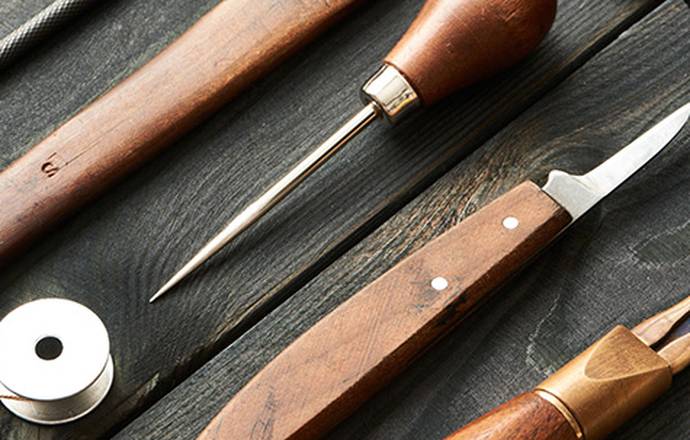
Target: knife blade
(351,353)
(578,194)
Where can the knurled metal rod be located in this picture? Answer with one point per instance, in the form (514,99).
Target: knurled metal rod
(276,193)
(39,27)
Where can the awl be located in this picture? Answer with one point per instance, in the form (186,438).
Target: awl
(354,351)
(450,45)
(598,391)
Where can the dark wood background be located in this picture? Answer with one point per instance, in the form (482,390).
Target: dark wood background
(609,70)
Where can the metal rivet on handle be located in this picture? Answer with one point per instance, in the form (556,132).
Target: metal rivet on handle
(439,283)
(511,223)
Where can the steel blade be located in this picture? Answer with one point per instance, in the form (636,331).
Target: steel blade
(577,194)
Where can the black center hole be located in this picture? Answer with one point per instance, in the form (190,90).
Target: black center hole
(49,348)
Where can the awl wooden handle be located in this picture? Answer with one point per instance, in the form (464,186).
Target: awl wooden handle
(351,353)
(455,43)
(227,50)
(527,417)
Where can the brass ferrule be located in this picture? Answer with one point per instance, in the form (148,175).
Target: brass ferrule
(391,92)
(609,383)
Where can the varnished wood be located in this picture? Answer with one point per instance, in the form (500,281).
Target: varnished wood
(621,260)
(526,417)
(339,363)
(453,44)
(299,264)
(226,51)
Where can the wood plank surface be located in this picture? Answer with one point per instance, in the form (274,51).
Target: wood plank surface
(626,260)
(114,254)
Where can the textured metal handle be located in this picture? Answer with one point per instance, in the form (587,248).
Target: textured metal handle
(41,25)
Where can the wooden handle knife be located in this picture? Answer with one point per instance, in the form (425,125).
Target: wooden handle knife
(359,347)
(341,361)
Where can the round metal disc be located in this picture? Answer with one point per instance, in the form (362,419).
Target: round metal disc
(84,355)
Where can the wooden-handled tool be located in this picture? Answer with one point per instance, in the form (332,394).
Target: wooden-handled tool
(598,391)
(450,45)
(355,350)
(222,54)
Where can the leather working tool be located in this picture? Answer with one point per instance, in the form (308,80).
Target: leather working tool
(222,54)
(598,391)
(351,353)
(451,45)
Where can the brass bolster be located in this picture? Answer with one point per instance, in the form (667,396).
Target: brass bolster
(610,382)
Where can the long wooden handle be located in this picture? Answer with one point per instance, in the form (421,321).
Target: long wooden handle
(226,51)
(527,417)
(340,362)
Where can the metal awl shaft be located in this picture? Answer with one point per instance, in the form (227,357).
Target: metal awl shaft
(276,193)
(428,63)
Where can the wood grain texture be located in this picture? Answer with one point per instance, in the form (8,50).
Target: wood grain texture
(623,262)
(227,50)
(116,252)
(526,417)
(362,345)
(453,44)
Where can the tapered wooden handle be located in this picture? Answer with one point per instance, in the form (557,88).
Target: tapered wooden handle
(455,43)
(351,353)
(527,417)
(227,50)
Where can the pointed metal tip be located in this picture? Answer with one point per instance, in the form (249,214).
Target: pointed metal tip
(170,284)
(162,291)
(684,112)
(156,296)
(188,268)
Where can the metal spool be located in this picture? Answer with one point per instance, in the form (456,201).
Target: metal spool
(56,364)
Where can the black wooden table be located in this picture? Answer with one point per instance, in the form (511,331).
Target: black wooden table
(609,70)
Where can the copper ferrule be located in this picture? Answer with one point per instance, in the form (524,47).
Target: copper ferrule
(608,384)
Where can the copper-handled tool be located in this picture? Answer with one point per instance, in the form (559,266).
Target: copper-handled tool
(452,44)
(359,347)
(598,391)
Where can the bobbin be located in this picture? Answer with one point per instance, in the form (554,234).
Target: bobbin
(56,361)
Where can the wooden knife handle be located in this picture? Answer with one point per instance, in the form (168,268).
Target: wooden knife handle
(527,417)
(359,347)
(455,43)
(223,53)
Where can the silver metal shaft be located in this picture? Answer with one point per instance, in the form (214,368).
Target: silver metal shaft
(276,193)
